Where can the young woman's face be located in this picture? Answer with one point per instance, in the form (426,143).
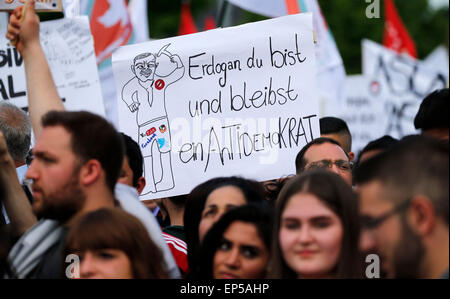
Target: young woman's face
(105,264)
(310,236)
(218,203)
(242,254)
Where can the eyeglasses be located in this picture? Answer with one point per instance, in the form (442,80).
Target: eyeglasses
(370,223)
(327,164)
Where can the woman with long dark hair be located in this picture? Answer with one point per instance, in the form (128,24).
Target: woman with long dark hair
(316,229)
(238,245)
(111,243)
(208,202)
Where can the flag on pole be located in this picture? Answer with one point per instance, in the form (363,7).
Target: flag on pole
(330,67)
(396,36)
(187,24)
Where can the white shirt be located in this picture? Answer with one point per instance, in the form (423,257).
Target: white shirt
(129,201)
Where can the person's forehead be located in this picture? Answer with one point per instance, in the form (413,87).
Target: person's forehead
(323,151)
(225,195)
(372,198)
(305,205)
(244,233)
(53,139)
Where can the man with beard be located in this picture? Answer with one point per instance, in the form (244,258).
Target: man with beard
(404,197)
(77,161)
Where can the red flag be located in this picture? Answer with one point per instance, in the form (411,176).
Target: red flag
(396,37)
(292,7)
(187,24)
(210,23)
(110,26)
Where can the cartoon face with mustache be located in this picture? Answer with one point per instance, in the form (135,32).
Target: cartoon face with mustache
(144,67)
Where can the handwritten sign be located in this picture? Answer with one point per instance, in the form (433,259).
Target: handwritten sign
(41,5)
(69,49)
(234,101)
(386,98)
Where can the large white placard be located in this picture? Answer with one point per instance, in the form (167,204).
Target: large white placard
(386,98)
(233,101)
(69,49)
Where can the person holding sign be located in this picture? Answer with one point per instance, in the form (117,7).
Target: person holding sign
(145,95)
(100,145)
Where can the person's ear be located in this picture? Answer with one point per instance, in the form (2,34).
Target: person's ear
(140,185)
(351,156)
(133,69)
(90,172)
(422,216)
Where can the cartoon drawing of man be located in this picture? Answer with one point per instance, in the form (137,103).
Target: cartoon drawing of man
(145,94)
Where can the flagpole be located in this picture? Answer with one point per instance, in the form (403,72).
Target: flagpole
(222,12)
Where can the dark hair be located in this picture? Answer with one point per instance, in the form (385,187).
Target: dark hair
(383,143)
(92,137)
(15,125)
(116,229)
(252,190)
(331,125)
(142,56)
(5,246)
(135,159)
(300,161)
(334,125)
(260,215)
(336,194)
(179,201)
(273,188)
(433,111)
(416,165)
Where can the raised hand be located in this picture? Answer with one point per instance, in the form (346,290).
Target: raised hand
(23,27)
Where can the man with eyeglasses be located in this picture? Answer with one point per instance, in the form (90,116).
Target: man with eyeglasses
(324,153)
(404,197)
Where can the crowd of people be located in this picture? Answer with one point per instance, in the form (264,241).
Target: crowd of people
(71,208)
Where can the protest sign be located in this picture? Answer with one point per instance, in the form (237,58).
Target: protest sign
(365,114)
(41,5)
(68,46)
(233,101)
(386,98)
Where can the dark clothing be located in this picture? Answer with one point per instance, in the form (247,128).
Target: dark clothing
(51,264)
(176,231)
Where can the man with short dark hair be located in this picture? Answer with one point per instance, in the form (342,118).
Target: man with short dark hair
(337,129)
(376,147)
(78,158)
(432,117)
(132,168)
(404,198)
(324,153)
